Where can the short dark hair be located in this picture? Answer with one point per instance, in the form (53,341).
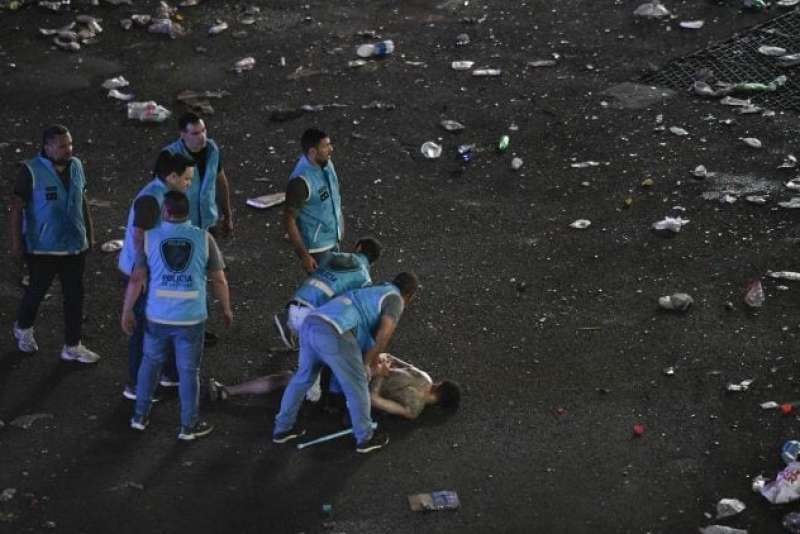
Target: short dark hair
(176,204)
(51,132)
(449,395)
(168,163)
(188,118)
(311,138)
(407,282)
(370,247)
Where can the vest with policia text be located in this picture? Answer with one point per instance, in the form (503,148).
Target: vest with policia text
(127,256)
(202,192)
(177,256)
(358,310)
(53,220)
(331,279)
(320,218)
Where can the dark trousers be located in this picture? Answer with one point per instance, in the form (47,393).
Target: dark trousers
(42,268)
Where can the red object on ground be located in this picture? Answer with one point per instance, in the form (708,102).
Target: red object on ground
(638,430)
(786,408)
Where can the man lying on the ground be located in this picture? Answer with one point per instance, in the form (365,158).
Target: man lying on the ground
(397,388)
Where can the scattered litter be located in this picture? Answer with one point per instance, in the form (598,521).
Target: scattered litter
(516,163)
(638,430)
(462,39)
(111,246)
(218,28)
(736,387)
(244,64)
(676,302)
(116,83)
(789,60)
(721,529)
(692,24)
(147,112)
(789,162)
(680,132)
(127,484)
(751,142)
(785,275)
(669,371)
(773,51)
(356,63)
(486,72)
(791,521)
(756,199)
(7,494)
(451,126)
(786,486)
(794,184)
(754,294)
(671,224)
(585,164)
(769,405)
(648,182)
(731,101)
(267,201)
(638,96)
(113,93)
(431,150)
(25,421)
(581,224)
(787,3)
(383,48)
(200,101)
(700,171)
(542,63)
(728,198)
(729,508)
(651,10)
(790,450)
(377,104)
(792,204)
(462,65)
(437,500)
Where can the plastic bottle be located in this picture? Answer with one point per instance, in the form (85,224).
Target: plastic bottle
(383,48)
(790,450)
(147,111)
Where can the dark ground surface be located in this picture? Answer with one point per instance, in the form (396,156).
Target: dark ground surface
(509,288)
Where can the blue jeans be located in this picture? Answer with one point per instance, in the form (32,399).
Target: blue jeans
(136,342)
(321,345)
(160,340)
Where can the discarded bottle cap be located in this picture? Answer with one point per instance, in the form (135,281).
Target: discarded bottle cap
(431,150)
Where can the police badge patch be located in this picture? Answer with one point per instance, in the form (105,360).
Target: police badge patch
(176,253)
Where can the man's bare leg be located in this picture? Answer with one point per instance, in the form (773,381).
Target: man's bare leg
(258,386)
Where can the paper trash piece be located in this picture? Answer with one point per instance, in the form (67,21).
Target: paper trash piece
(115,83)
(786,486)
(792,204)
(756,199)
(673,224)
(769,405)
(700,171)
(437,500)
(692,24)
(771,50)
(721,529)
(677,130)
(744,385)
(751,142)
(729,508)
(676,301)
(266,201)
(581,224)
(111,246)
(785,275)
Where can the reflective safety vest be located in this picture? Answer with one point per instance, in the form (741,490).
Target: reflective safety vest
(202,192)
(330,280)
(320,219)
(127,256)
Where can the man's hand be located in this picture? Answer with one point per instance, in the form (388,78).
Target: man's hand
(128,322)
(227,318)
(309,263)
(383,366)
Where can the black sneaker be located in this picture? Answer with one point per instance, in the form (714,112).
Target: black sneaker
(289,435)
(168,382)
(377,441)
(209,339)
(200,429)
(130,393)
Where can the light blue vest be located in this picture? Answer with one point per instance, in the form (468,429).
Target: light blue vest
(359,310)
(177,256)
(53,220)
(202,192)
(320,218)
(127,256)
(330,280)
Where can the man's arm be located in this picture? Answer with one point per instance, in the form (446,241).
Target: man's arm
(296,196)
(224,199)
(390,406)
(385,332)
(15,225)
(219,285)
(87,219)
(132,292)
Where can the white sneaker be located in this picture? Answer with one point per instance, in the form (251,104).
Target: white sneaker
(25,339)
(315,392)
(79,353)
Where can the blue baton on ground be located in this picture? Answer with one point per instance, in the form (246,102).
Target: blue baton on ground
(329,437)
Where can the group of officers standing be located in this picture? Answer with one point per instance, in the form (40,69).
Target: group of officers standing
(339,319)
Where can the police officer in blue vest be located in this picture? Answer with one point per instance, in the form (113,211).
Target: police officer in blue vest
(313,209)
(338,272)
(209,193)
(347,334)
(173,173)
(50,223)
(180,258)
